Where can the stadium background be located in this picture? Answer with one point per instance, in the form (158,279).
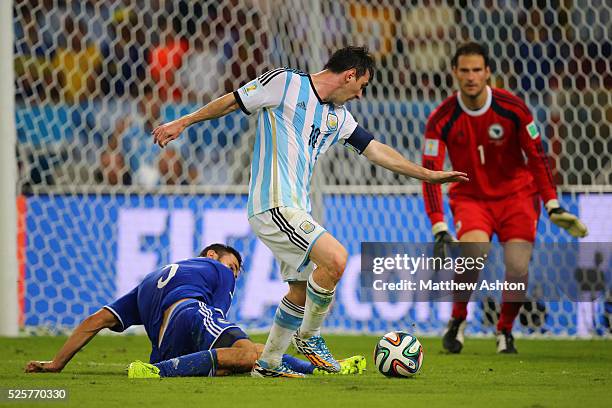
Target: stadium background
(99,206)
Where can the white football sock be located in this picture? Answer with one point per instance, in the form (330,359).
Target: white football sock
(287,319)
(318,301)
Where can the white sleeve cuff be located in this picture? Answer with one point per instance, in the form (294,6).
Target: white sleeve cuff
(552,204)
(439,227)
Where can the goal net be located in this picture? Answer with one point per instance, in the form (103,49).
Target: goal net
(100,206)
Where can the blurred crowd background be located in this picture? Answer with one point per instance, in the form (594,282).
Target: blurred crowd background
(94,77)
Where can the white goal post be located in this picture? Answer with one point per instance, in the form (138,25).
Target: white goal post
(8,178)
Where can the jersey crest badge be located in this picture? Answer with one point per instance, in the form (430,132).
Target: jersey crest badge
(533,131)
(332,121)
(307,227)
(496,131)
(431,147)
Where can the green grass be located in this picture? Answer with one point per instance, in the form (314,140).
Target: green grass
(546,373)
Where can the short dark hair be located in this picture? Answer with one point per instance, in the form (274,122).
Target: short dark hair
(470,48)
(222,249)
(351,57)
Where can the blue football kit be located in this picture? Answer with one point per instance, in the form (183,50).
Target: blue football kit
(195,324)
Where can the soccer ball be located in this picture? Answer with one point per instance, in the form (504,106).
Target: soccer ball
(398,354)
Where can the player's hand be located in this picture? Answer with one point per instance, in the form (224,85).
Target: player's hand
(441,238)
(441,177)
(566,220)
(164,134)
(42,367)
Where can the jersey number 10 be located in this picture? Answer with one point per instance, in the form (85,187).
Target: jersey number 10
(314,136)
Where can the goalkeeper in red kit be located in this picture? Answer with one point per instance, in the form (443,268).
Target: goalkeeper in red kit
(490,134)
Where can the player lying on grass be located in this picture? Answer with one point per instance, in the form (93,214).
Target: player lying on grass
(490,134)
(183,307)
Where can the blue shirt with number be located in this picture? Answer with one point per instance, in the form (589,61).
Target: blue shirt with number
(203,279)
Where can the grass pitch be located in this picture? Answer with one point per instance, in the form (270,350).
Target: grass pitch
(546,373)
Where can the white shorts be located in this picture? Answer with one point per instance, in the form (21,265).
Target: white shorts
(290,234)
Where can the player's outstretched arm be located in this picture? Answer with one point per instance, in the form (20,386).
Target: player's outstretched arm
(389,158)
(78,339)
(164,134)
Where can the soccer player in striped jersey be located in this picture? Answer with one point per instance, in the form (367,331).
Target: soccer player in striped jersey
(300,116)
(488,133)
(183,307)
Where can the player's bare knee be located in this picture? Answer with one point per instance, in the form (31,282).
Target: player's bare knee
(250,359)
(516,266)
(334,268)
(338,264)
(246,354)
(516,269)
(243,344)
(245,360)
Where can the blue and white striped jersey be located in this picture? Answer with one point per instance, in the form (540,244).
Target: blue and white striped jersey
(294,128)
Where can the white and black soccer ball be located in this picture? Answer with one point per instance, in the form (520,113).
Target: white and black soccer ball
(398,354)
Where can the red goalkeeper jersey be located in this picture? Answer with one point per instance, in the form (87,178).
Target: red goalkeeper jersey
(498,146)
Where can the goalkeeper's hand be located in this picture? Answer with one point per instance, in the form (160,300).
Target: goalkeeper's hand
(441,238)
(566,220)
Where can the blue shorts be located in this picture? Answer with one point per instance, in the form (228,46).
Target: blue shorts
(194,326)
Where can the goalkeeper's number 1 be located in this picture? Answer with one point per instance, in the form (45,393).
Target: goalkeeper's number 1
(481,154)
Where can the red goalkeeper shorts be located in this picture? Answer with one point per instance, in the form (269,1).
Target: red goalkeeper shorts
(512,217)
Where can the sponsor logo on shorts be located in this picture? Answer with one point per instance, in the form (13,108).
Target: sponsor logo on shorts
(496,131)
(307,227)
(458,226)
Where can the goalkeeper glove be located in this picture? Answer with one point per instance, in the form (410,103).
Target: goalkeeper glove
(568,221)
(441,238)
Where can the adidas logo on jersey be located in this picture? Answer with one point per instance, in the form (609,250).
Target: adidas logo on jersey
(301,105)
